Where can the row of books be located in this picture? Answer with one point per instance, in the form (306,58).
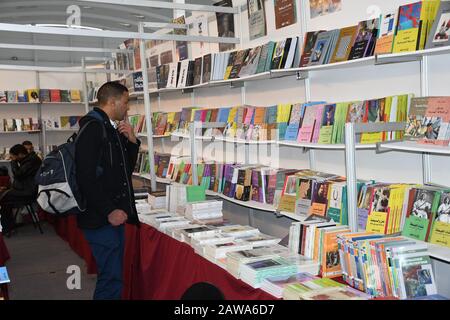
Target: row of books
(428,121)
(387,266)
(40,95)
(418,212)
(20,124)
(381,266)
(62,122)
(412,27)
(327,248)
(162,161)
(316,122)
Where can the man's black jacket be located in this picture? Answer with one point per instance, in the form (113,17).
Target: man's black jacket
(24,172)
(110,187)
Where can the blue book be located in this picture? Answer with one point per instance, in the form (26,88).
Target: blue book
(198,115)
(271,114)
(4,278)
(282,128)
(291,132)
(223,114)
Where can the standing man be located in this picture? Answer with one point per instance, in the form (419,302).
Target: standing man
(106,153)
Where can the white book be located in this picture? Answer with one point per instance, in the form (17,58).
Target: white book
(172,79)
(291,54)
(183,73)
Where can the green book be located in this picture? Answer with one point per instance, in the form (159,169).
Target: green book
(270,49)
(415,228)
(195,193)
(326,134)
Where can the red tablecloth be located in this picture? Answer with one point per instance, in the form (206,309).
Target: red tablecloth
(4,256)
(157,266)
(160,267)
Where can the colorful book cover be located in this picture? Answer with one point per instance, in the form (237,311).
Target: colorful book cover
(407,37)
(55,95)
(387,31)
(327,124)
(366,35)
(308,47)
(344,44)
(440,231)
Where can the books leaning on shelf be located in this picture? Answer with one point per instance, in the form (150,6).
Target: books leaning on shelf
(17,125)
(386,266)
(429,120)
(62,123)
(41,96)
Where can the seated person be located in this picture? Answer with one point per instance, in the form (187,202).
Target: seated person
(28,145)
(24,167)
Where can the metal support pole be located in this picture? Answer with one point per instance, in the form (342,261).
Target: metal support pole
(148,111)
(192,127)
(312,159)
(304,29)
(85,86)
(192,98)
(251,212)
(424,88)
(350,168)
(426,168)
(243,96)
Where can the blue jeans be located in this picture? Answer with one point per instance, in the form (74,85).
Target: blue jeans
(107,245)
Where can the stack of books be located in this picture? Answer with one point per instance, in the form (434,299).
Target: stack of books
(237,258)
(209,210)
(253,273)
(157,199)
(276,285)
(322,289)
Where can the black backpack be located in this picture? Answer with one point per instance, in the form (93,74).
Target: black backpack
(58,191)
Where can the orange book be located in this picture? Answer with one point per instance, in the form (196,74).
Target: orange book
(331,265)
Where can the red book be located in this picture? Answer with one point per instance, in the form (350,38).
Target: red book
(55,95)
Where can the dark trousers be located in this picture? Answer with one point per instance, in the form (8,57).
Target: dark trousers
(107,245)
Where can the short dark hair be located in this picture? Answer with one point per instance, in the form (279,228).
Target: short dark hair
(27,143)
(108,90)
(18,149)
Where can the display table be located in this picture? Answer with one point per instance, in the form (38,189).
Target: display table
(157,266)
(4,256)
(160,267)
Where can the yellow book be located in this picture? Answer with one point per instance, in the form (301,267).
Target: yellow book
(371,137)
(376,222)
(170,117)
(424,18)
(440,233)
(75,95)
(193,113)
(232,114)
(283,112)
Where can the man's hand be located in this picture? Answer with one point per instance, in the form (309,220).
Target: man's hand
(117,217)
(127,130)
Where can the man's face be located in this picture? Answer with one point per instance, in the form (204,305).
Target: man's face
(121,107)
(29,148)
(18,157)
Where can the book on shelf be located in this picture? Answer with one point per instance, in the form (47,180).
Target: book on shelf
(388,23)
(75,95)
(32,95)
(285,13)
(251,62)
(44,95)
(12,96)
(238,61)
(65,96)
(365,41)
(198,71)
(321,47)
(344,44)
(440,29)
